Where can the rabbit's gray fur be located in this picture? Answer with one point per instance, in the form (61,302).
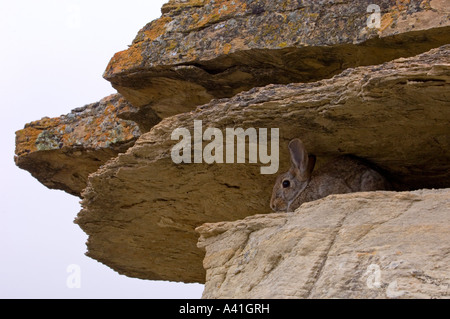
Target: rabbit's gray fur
(344,174)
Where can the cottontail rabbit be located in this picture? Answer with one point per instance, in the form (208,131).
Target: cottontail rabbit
(344,174)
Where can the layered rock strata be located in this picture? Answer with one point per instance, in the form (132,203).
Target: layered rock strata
(315,70)
(140,209)
(199,50)
(360,245)
(61,152)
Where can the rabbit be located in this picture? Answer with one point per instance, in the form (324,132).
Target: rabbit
(344,174)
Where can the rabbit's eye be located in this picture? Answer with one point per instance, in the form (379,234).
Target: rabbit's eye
(286,184)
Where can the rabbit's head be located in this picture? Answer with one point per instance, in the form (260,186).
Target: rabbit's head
(289,185)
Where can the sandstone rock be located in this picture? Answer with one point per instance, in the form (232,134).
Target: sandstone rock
(61,152)
(203,49)
(140,209)
(360,245)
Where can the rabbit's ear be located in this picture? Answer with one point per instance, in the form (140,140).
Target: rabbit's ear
(300,159)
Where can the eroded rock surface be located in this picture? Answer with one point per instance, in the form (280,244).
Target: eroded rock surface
(61,152)
(140,209)
(200,50)
(360,245)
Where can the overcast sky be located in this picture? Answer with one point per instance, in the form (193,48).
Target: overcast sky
(53,54)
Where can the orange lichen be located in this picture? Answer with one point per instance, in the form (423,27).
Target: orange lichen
(220,10)
(92,127)
(386,21)
(397,10)
(226,48)
(125,60)
(368,253)
(157,28)
(176,6)
(132,58)
(26,138)
(401,4)
(389,18)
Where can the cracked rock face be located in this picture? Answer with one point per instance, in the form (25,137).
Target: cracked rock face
(140,209)
(361,245)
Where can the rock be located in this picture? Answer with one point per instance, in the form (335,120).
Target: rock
(229,64)
(140,209)
(61,152)
(360,245)
(200,50)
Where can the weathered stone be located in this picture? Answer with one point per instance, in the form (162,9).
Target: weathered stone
(199,50)
(61,152)
(360,245)
(140,209)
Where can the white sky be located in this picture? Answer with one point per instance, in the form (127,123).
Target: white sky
(52,57)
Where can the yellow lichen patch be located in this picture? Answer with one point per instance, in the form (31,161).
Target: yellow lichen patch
(125,60)
(236,44)
(366,253)
(386,21)
(313,15)
(127,107)
(95,126)
(226,48)
(402,4)
(397,10)
(26,138)
(389,18)
(191,54)
(177,6)
(157,28)
(172,45)
(221,9)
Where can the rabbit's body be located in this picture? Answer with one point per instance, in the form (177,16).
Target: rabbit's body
(341,175)
(344,174)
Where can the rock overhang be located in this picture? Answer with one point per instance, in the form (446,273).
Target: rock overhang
(395,115)
(142,225)
(61,152)
(216,49)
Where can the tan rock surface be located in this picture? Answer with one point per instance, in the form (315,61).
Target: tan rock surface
(200,50)
(140,209)
(360,245)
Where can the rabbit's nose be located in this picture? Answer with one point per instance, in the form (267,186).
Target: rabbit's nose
(272,206)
